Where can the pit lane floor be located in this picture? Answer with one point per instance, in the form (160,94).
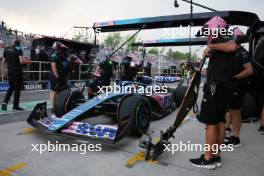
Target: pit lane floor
(16,157)
(28,101)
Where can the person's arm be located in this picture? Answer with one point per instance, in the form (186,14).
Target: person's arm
(229,46)
(23,60)
(54,69)
(75,59)
(248,70)
(206,52)
(54,65)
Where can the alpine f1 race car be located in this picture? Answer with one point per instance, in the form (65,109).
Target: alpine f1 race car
(109,116)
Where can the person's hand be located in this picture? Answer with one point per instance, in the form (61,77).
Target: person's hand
(26,61)
(78,61)
(96,74)
(236,77)
(206,52)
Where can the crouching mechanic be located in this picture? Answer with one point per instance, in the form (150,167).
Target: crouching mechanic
(217,91)
(61,67)
(242,71)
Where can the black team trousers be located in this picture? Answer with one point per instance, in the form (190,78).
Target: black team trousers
(15,81)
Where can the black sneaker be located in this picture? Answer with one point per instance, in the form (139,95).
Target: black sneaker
(203,163)
(235,141)
(18,109)
(4,106)
(261,130)
(217,161)
(227,138)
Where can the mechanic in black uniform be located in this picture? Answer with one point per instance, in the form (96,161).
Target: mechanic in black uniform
(94,84)
(101,77)
(243,69)
(61,67)
(106,71)
(217,91)
(127,72)
(148,68)
(13,56)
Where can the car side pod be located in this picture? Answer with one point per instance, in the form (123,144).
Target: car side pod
(156,148)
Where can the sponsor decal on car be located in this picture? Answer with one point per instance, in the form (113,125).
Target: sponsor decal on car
(97,131)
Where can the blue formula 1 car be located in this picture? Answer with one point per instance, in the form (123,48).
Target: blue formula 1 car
(108,117)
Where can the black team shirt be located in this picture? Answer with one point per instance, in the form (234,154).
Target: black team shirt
(220,67)
(11,55)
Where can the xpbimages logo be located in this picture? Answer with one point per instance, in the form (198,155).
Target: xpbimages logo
(132,88)
(182,147)
(183,31)
(57,147)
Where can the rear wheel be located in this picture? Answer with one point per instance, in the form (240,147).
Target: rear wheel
(138,111)
(66,100)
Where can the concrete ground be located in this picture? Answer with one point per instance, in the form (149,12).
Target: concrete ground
(16,157)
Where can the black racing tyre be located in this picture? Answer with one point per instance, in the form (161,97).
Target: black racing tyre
(179,94)
(248,107)
(138,109)
(66,100)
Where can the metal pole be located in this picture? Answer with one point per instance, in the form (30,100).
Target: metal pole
(130,38)
(159,65)
(40,71)
(190,30)
(171,66)
(200,5)
(80,70)
(2,71)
